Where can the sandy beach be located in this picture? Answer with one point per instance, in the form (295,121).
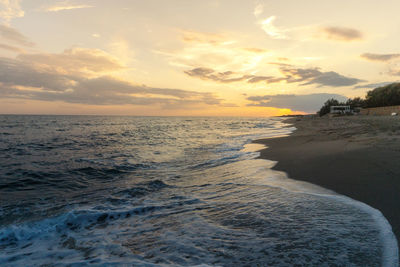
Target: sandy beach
(357,156)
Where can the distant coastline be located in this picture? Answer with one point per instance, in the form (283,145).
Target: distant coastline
(357,156)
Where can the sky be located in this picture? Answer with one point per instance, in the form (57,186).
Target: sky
(193,58)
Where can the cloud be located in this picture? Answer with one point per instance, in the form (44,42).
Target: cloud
(394,72)
(75,61)
(309,76)
(12,35)
(229,76)
(270,29)
(210,74)
(10,9)
(341,34)
(66,5)
(373,85)
(18,73)
(391,60)
(255,50)
(208,49)
(53,79)
(380,57)
(291,74)
(258,10)
(11,48)
(204,38)
(307,103)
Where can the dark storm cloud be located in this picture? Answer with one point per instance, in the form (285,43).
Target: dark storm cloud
(380,57)
(306,103)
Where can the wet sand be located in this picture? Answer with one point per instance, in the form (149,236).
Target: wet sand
(356,156)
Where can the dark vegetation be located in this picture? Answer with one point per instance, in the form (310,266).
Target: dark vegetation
(388,95)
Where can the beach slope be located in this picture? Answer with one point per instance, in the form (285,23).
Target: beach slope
(356,156)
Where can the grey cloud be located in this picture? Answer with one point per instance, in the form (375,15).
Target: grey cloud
(210,74)
(315,76)
(229,76)
(307,103)
(342,33)
(267,79)
(21,80)
(75,60)
(11,48)
(395,72)
(390,59)
(291,74)
(373,85)
(15,72)
(259,98)
(11,34)
(332,78)
(380,57)
(106,84)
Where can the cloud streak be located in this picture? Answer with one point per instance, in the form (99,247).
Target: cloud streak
(373,85)
(380,57)
(306,103)
(341,34)
(12,35)
(11,48)
(309,76)
(51,77)
(76,61)
(291,74)
(258,10)
(63,6)
(229,76)
(208,49)
(271,30)
(10,10)
(204,38)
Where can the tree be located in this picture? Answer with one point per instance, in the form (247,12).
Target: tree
(356,102)
(388,95)
(326,108)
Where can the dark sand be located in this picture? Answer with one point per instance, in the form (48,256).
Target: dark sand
(356,156)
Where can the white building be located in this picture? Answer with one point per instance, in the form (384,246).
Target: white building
(340,109)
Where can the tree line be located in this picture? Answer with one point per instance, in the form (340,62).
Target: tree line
(388,95)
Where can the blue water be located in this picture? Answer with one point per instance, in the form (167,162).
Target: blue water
(153,191)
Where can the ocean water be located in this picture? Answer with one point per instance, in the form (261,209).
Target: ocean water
(153,191)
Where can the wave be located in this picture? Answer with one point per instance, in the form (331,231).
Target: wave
(172,192)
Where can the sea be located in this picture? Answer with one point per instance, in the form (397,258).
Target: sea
(170,191)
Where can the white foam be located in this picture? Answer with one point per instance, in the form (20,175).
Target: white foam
(390,255)
(390,248)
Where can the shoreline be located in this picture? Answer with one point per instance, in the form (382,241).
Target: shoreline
(356,156)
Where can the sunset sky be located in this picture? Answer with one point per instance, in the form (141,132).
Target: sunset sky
(186,57)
